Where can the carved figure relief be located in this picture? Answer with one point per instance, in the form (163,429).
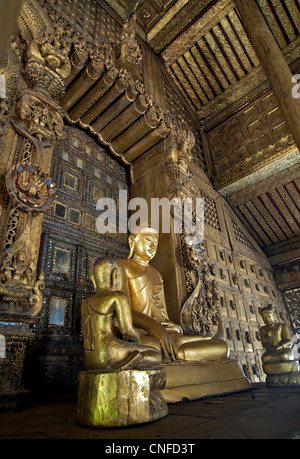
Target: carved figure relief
(30,188)
(130,52)
(37,118)
(18,285)
(199,314)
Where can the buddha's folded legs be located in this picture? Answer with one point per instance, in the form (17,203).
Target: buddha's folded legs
(199,348)
(284,356)
(193,348)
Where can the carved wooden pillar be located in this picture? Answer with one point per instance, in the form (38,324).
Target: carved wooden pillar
(33,124)
(38,119)
(273,63)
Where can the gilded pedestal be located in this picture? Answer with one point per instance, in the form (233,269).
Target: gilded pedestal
(192,381)
(120,398)
(282,374)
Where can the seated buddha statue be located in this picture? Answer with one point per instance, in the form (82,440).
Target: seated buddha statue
(105,346)
(275,338)
(144,287)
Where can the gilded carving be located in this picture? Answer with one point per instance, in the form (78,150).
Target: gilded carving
(130,52)
(199,314)
(4,116)
(31,188)
(80,54)
(18,286)
(16,362)
(52,49)
(181,141)
(37,118)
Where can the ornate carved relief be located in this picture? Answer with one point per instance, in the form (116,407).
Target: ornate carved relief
(130,51)
(4,118)
(292,298)
(199,314)
(30,188)
(37,117)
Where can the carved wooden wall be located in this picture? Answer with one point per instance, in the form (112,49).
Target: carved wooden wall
(84,172)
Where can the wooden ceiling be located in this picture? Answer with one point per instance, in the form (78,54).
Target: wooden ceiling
(210,59)
(219,54)
(203,43)
(271,209)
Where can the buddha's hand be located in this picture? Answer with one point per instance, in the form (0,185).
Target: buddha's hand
(159,332)
(173,328)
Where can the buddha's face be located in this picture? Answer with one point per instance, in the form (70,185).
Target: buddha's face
(268,317)
(145,246)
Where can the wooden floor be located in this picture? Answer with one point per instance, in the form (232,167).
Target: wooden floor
(261,413)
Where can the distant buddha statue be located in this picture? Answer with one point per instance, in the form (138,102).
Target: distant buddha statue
(278,360)
(144,287)
(275,338)
(104,349)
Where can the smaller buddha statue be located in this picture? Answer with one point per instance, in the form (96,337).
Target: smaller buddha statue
(278,360)
(110,340)
(275,338)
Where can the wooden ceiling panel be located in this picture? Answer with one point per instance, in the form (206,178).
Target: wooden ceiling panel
(204,44)
(221,49)
(219,59)
(212,63)
(282,18)
(274,216)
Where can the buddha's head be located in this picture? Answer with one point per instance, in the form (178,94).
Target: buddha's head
(267,314)
(107,274)
(143,244)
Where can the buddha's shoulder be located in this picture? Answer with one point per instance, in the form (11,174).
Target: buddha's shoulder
(132,268)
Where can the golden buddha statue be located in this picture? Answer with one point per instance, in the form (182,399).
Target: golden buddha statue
(278,360)
(275,338)
(144,287)
(104,349)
